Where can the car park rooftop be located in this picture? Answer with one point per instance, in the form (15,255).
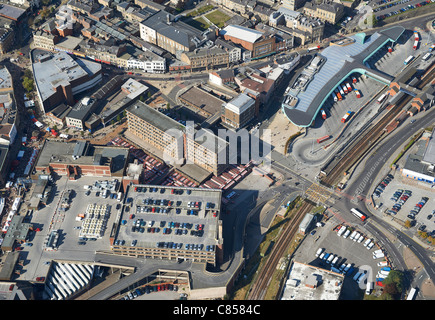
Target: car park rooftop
(169,223)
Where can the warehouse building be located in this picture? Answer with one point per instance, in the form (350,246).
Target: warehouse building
(170,223)
(81,158)
(59,77)
(421,164)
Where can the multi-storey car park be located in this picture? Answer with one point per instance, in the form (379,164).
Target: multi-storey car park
(337,62)
(171,223)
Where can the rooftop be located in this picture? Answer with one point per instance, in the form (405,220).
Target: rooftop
(243,33)
(154,117)
(82,153)
(429,153)
(240,103)
(307,282)
(180,32)
(60,69)
(341,61)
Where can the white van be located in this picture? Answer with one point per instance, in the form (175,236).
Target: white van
(319,251)
(330,258)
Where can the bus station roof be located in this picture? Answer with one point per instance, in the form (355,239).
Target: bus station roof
(341,62)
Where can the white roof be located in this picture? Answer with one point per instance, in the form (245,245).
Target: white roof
(242,33)
(240,103)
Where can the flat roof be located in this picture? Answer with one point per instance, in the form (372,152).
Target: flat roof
(240,103)
(202,100)
(60,69)
(141,195)
(11,12)
(62,152)
(429,153)
(306,282)
(154,117)
(243,33)
(341,61)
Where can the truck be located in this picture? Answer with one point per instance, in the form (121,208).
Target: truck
(357,93)
(346,234)
(354,80)
(330,258)
(326,256)
(346,269)
(367,242)
(386,269)
(432,47)
(370,245)
(337,93)
(119,197)
(334,261)
(346,117)
(334,97)
(349,88)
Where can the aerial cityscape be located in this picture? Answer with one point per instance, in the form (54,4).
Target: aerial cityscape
(223,150)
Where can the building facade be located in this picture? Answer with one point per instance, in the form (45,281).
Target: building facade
(238,112)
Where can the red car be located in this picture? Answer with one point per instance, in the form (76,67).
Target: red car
(41,279)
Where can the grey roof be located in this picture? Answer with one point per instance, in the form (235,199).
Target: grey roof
(177,31)
(60,69)
(341,61)
(11,12)
(154,117)
(429,154)
(81,111)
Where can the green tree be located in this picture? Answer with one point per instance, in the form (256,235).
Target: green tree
(394,283)
(28,84)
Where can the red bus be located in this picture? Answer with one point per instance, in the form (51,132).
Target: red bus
(320,140)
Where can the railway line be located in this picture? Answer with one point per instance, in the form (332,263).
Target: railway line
(372,134)
(259,287)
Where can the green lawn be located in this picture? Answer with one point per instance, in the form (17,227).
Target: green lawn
(218,18)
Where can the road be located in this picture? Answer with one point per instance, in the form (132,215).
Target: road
(372,167)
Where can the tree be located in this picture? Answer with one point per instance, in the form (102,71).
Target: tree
(118,118)
(28,84)
(394,283)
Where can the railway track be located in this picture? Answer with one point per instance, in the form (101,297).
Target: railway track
(370,136)
(258,289)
